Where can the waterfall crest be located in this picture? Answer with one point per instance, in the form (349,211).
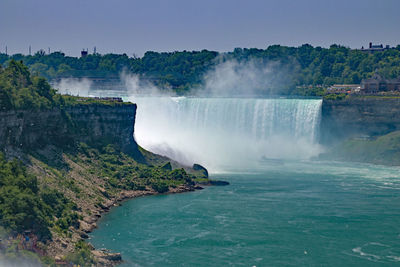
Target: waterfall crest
(225,132)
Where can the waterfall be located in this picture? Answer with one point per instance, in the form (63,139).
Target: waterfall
(224,132)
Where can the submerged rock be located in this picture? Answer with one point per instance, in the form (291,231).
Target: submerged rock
(219,183)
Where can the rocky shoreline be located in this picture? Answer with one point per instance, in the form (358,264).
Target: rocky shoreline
(89,223)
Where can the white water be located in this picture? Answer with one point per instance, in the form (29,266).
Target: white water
(224,132)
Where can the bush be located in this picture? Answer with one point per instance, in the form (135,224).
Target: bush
(160,186)
(82,255)
(21,208)
(24,207)
(335,96)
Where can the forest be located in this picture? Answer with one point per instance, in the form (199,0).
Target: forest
(185,70)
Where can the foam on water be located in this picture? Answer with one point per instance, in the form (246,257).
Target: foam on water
(225,132)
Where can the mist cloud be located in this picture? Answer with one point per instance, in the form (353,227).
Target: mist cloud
(20,262)
(245,78)
(74,86)
(135,85)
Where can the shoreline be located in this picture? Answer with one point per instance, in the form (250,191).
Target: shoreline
(89,223)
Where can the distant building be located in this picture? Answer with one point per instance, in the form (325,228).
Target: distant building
(84,53)
(377,84)
(393,84)
(375,48)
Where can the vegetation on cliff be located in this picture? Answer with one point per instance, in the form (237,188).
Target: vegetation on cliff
(52,195)
(23,206)
(303,65)
(21,90)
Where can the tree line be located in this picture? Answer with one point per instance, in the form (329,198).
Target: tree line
(21,90)
(184,70)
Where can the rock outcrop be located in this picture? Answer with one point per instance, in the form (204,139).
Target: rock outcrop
(24,130)
(358,117)
(201,169)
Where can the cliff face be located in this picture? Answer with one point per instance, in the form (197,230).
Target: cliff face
(23,130)
(357,117)
(105,124)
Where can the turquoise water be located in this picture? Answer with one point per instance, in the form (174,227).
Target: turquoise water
(280,214)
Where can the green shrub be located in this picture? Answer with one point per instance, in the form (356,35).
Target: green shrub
(82,255)
(160,186)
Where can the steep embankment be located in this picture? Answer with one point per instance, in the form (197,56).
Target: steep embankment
(84,156)
(383,150)
(359,117)
(362,129)
(94,124)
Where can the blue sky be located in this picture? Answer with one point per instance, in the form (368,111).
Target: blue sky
(131,26)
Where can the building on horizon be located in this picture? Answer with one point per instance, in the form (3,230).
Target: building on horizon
(84,53)
(375,48)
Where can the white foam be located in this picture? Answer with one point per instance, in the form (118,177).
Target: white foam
(224,132)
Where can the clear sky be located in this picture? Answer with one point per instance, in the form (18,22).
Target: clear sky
(136,26)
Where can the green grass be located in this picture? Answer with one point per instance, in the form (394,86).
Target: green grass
(78,100)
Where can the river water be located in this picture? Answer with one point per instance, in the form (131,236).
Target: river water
(280,209)
(289,214)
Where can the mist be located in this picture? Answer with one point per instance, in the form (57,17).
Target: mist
(20,262)
(74,86)
(135,86)
(247,78)
(229,121)
(222,133)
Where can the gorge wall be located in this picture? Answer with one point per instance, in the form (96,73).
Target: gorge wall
(95,124)
(357,117)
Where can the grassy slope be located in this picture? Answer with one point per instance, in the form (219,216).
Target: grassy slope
(73,183)
(95,179)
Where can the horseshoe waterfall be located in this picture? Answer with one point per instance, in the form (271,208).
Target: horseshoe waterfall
(223,133)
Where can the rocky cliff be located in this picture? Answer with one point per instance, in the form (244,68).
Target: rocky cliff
(85,156)
(358,117)
(94,124)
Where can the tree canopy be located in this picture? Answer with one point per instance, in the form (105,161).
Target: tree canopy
(24,206)
(19,89)
(182,71)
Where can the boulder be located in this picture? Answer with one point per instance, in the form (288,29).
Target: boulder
(198,167)
(107,257)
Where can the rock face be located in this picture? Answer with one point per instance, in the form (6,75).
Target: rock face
(358,117)
(198,167)
(24,130)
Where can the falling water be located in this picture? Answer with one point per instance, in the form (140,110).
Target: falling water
(225,132)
